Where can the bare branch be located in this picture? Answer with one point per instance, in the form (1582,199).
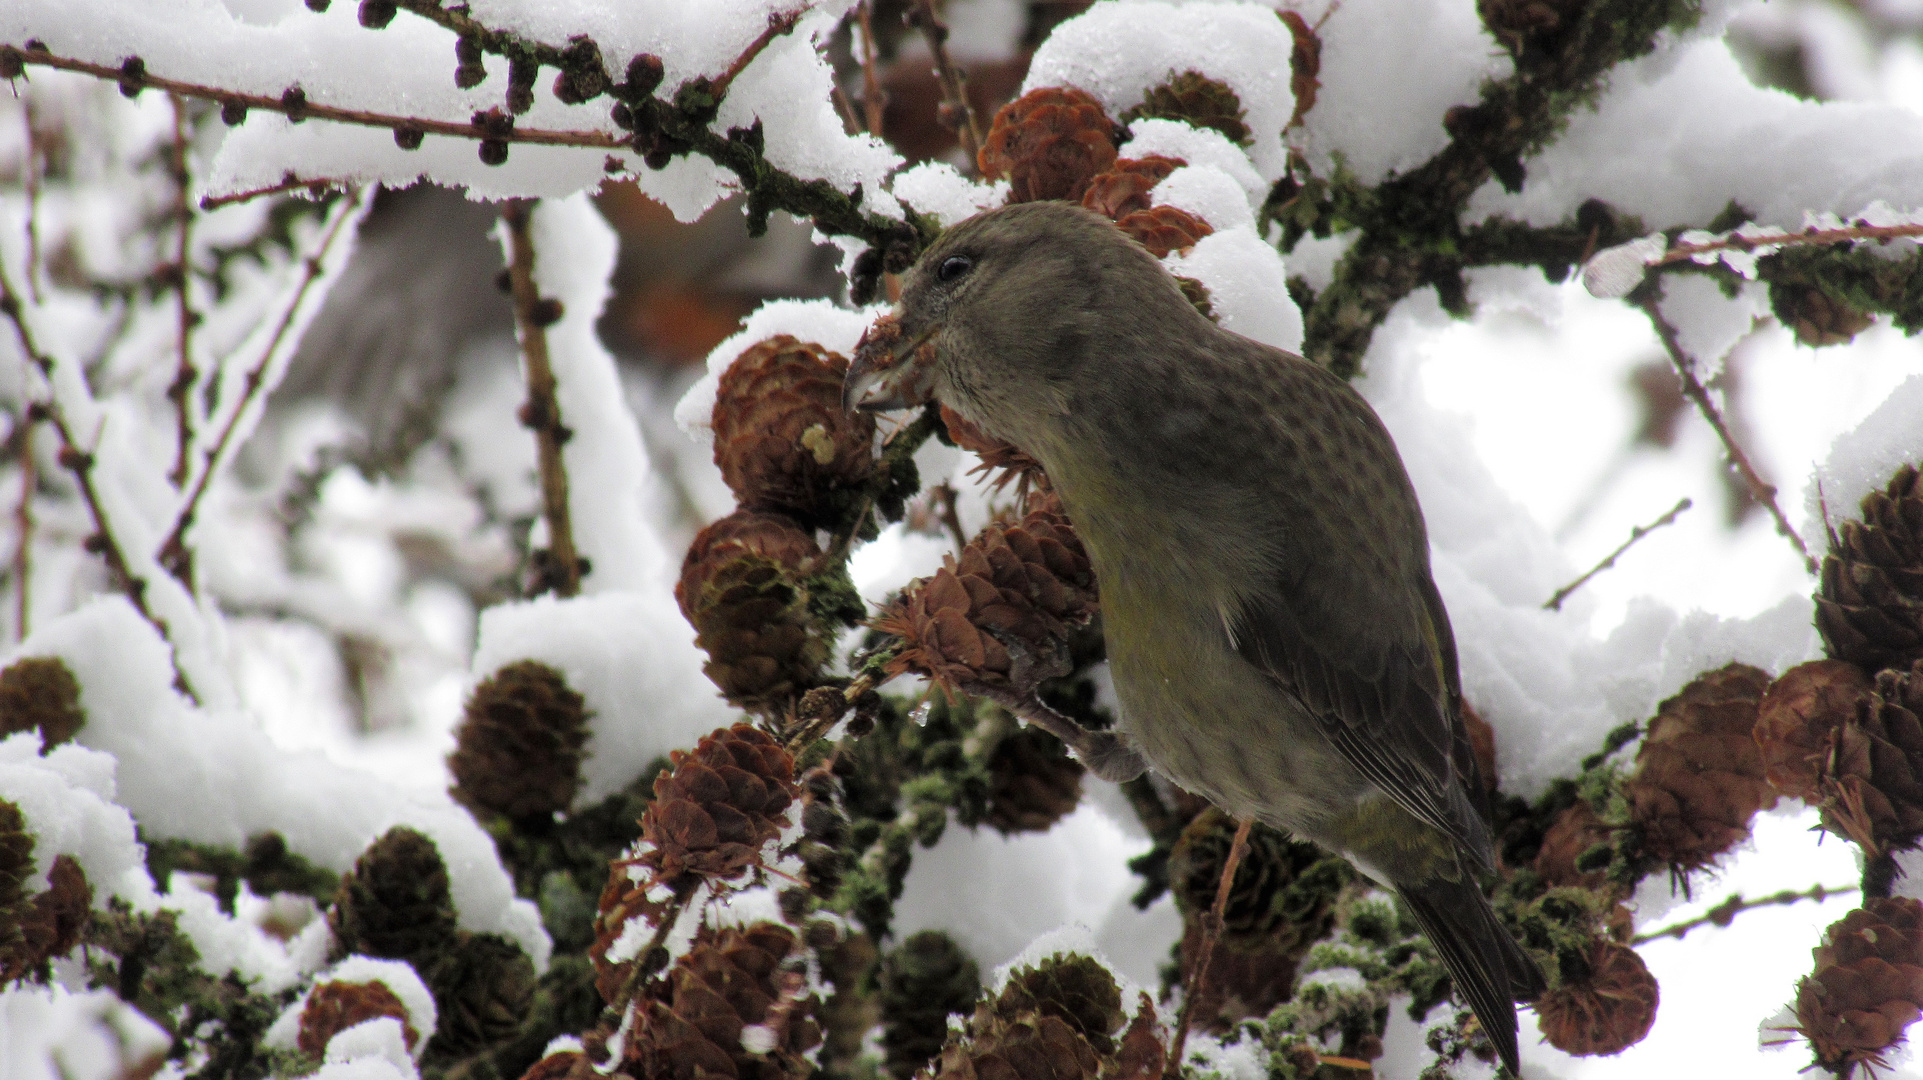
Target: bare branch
(1812,235)
(180,391)
(872,103)
(23,523)
(1554,603)
(1725,913)
(560,567)
(289,182)
(1761,490)
(956,114)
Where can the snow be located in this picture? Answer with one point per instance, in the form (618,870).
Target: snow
(396,975)
(1119,51)
(1198,147)
(1247,283)
(66,799)
(935,187)
(1708,323)
(1863,460)
(52,1033)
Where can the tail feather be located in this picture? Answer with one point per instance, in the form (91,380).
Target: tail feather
(1491,971)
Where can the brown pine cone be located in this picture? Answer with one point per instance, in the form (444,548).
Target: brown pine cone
(46,926)
(1876,795)
(781,438)
(1049,143)
(1575,831)
(1820,319)
(722,802)
(1801,717)
(1000,614)
(518,750)
(1001,462)
(562,1065)
(1281,903)
(1869,605)
(731,979)
(1606,1013)
(1033,783)
(1162,229)
(923,982)
(1197,100)
(1699,776)
(333,1007)
(1867,985)
(1025,1047)
(38,693)
(483,991)
(396,903)
(1073,988)
(743,586)
(1124,188)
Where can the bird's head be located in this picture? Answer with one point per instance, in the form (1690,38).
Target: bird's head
(1003,316)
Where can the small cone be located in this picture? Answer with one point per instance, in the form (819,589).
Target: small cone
(1801,716)
(1001,613)
(1162,229)
(1876,794)
(396,903)
(1033,783)
(1025,1047)
(333,1007)
(519,747)
(1049,143)
(1575,832)
(923,982)
(1699,775)
(781,438)
(1867,985)
(48,925)
(1820,319)
(1125,187)
(743,587)
(483,992)
(1869,605)
(1607,1012)
(1002,462)
(1198,100)
(1078,990)
(39,693)
(730,980)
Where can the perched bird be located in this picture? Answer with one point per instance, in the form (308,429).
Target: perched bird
(1275,637)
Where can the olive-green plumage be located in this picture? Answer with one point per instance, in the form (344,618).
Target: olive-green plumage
(1276,640)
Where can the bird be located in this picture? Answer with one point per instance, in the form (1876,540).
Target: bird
(1272,624)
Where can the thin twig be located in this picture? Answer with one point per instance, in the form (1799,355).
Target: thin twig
(80,463)
(1724,913)
(1811,235)
(956,113)
(561,569)
(180,391)
(779,24)
(308,110)
(1554,603)
(31,181)
(872,103)
(1211,929)
(1760,490)
(173,553)
(944,494)
(289,182)
(23,524)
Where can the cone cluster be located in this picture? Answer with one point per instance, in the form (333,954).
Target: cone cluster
(1048,143)
(1869,605)
(1059,1020)
(335,1006)
(744,587)
(1867,986)
(1000,614)
(1820,319)
(1606,1011)
(518,749)
(39,693)
(730,980)
(1699,775)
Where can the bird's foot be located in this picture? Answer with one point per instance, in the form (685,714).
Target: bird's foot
(1103,753)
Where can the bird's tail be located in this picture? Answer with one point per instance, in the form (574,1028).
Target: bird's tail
(1491,971)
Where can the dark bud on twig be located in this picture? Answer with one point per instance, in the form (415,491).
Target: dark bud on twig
(865,278)
(622,116)
(293,101)
(493,151)
(582,77)
(318,5)
(94,544)
(547,310)
(469,71)
(408,137)
(493,123)
(133,76)
(644,74)
(376,14)
(504,281)
(11,62)
(233,113)
(522,70)
(75,459)
(658,157)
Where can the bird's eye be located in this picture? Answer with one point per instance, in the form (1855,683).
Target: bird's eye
(953,267)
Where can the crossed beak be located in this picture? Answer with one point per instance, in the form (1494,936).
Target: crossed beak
(889,369)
